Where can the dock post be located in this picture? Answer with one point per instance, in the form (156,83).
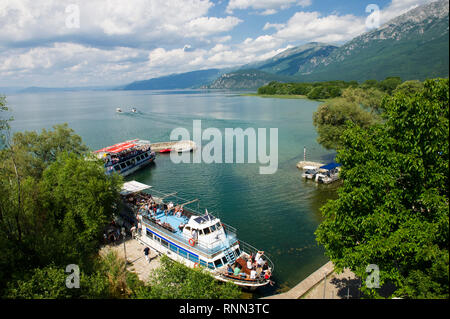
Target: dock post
(304,153)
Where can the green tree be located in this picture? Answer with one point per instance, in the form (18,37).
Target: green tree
(4,122)
(53,210)
(409,87)
(33,152)
(392,209)
(79,200)
(173,280)
(331,117)
(370,98)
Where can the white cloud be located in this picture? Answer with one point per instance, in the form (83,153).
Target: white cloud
(270,6)
(276,26)
(134,21)
(312,26)
(209,25)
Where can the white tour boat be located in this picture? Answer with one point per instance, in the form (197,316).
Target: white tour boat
(126,157)
(194,239)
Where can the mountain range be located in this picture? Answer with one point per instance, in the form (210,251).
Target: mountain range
(413,46)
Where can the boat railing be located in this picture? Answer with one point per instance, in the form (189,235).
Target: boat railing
(209,249)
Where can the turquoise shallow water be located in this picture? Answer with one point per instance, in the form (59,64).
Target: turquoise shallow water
(277,213)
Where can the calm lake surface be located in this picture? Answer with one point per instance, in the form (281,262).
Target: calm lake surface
(277,213)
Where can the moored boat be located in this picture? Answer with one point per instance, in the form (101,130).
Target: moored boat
(126,157)
(167,150)
(118,110)
(309,172)
(169,226)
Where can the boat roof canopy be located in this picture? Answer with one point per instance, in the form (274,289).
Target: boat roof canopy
(133,187)
(120,147)
(330,166)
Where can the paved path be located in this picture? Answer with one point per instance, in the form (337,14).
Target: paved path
(136,258)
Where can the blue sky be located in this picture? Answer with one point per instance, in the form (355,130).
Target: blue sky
(64,43)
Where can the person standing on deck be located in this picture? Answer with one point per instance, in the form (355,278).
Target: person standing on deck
(146,253)
(133,231)
(258,255)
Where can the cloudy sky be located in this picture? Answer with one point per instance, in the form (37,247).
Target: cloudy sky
(64,43)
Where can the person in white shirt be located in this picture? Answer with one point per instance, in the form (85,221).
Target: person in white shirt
(260,262)
(249,264)
(258,255)
(253,274)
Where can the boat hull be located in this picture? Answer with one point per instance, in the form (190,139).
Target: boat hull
(154,243)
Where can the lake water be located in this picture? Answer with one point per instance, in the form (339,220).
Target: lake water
(277,213)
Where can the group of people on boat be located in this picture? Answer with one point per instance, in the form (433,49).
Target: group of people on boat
(255,267)
(148,208)
(111,159)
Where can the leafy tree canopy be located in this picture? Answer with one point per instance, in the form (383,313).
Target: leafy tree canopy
(392,208)
(173,280)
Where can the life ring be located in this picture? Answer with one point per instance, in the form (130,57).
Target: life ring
(192,242)
(195,265)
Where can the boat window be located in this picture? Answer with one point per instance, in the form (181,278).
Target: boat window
(117,168)
(182,253)
(173,248)
(200,232)
(188,228)
(123,165)
(238,251)
(224,260)
(193,258)
(218,263)
(164,243)
(210,265)
(128,163)
(146,154)
(206,230)
(213,228)
(149,234)
(218,226)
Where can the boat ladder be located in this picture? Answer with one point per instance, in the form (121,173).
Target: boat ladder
(229,255)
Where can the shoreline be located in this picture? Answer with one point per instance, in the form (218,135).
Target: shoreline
(277,96)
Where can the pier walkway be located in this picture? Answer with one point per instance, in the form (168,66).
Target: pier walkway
(302,164)
(135,257)
(156,147)
(324,283)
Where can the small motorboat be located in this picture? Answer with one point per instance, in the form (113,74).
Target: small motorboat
(118,110)
(133,110)
(167,150)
